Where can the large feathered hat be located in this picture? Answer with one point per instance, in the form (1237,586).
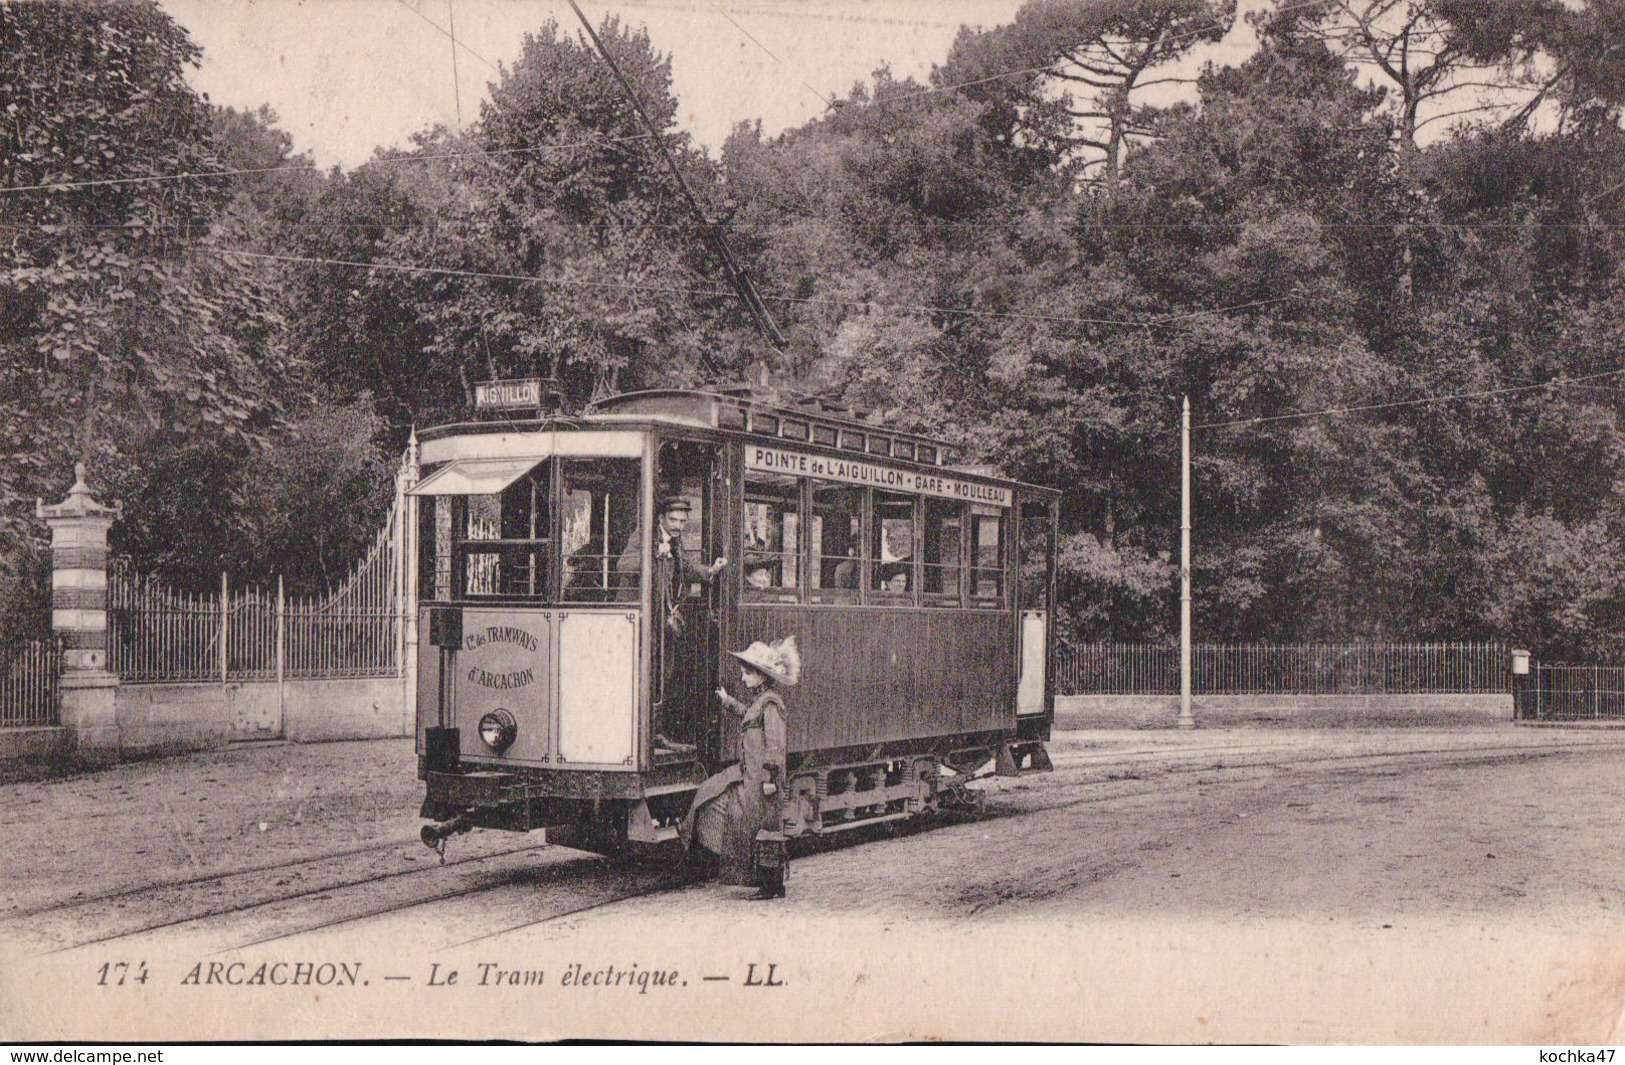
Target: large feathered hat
(780,662)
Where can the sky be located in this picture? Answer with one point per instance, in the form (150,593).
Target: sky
(349,76)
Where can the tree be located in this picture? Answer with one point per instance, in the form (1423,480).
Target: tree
(551,242)
(275,190)
(1108,52)
(1441,60)
(309,505)
(124,341)
(897,202)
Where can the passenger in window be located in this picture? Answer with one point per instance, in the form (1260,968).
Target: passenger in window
(894,578)
(760,577)
(846,574)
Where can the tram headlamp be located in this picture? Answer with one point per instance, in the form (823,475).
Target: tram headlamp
(498,729)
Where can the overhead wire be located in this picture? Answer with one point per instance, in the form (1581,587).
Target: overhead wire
(312,260)
(597,142)
(827,101)
(456,44)
(451,31)
(1556,382)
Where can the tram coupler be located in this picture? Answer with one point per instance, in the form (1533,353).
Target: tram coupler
(435,835)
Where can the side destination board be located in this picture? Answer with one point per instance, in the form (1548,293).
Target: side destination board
(852,471)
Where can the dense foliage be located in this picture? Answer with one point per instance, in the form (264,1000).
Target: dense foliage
(1035,253)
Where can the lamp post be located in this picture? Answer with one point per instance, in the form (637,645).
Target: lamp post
(1186,718)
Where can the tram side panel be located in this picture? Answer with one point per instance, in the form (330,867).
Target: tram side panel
(874,675)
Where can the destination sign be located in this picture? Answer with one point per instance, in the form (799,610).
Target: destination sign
(856,471)
(506,395)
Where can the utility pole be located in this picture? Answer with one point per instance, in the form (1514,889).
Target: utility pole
(1186,718)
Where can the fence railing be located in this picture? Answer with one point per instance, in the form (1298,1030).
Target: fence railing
(159,635)
(30,672)
(1571,693)
(1285,669)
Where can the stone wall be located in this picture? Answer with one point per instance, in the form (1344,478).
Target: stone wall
(155,718)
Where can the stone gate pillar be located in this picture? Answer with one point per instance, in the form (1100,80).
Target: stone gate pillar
(79,527)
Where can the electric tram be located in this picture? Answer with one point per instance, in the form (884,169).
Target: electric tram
(573,632)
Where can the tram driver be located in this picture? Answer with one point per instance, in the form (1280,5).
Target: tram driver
(673,567)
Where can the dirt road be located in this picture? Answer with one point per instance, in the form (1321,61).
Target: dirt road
(1391,886)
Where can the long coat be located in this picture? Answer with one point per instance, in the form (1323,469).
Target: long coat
(730,807)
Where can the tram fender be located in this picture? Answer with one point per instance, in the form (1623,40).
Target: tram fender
(641,828)
(1015,759)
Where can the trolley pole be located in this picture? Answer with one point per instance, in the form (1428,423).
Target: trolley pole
(1186,718)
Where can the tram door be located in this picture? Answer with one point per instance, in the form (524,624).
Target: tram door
(688,476)
(1037,547)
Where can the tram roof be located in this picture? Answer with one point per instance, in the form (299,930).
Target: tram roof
(790,418)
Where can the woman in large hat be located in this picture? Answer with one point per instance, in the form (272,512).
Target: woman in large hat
(737,814)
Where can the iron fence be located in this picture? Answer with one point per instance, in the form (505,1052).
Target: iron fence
(1571,693)
(1286,669)
(29,684)
(156,634)
(355,632)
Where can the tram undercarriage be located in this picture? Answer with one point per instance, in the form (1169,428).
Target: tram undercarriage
(603,812)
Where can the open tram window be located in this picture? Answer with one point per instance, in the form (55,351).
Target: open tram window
(987,556)
(834,539)
(484,530)
(434,558)
(772,545)
(891,549)
(943,546)
(681,475)
(598,504)
(499,542)
(1037,527)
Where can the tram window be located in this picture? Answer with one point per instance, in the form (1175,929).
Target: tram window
(891,548)
(987,555)
(434,560)
(1033,588)
(834,537)
(598,523)
(944,542)
(501,541)
(772,538)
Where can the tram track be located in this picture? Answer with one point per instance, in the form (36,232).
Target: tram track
(1423,758)
(154,895)
(655,881)
(517,887)
(587,883)
(193,881)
